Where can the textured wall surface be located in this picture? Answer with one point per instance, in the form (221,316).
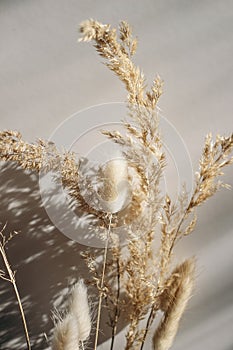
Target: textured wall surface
(45,77)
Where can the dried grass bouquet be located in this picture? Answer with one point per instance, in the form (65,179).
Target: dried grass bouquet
(134,282)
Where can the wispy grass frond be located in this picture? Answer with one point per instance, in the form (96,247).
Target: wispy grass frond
(119,60)
(174,301)
(74,329)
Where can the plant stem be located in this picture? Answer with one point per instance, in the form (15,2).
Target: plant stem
(151,315)
(102,283)
(13,281)
(114,328)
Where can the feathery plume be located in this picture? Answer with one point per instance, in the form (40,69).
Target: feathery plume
(118,54)
(66,334)
(79,308)
(114,189)
(75,328)
(176,298)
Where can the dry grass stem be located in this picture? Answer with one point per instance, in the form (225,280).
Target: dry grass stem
(11,278)
(101,288)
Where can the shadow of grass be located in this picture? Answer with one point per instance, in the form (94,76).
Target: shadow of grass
(46,261)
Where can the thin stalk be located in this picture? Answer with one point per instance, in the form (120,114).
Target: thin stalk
(102,283)
(13,281)
(114,328)
(147,326)
(151,314)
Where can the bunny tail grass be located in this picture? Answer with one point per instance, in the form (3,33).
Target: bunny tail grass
(74,329)
(79,308)
(66,334)
(166,331)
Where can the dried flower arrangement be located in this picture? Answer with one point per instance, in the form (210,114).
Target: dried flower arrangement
(131,276)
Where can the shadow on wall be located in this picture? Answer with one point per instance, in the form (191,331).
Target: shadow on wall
(47,262)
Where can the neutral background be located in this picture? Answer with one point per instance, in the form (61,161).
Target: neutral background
(45,76)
